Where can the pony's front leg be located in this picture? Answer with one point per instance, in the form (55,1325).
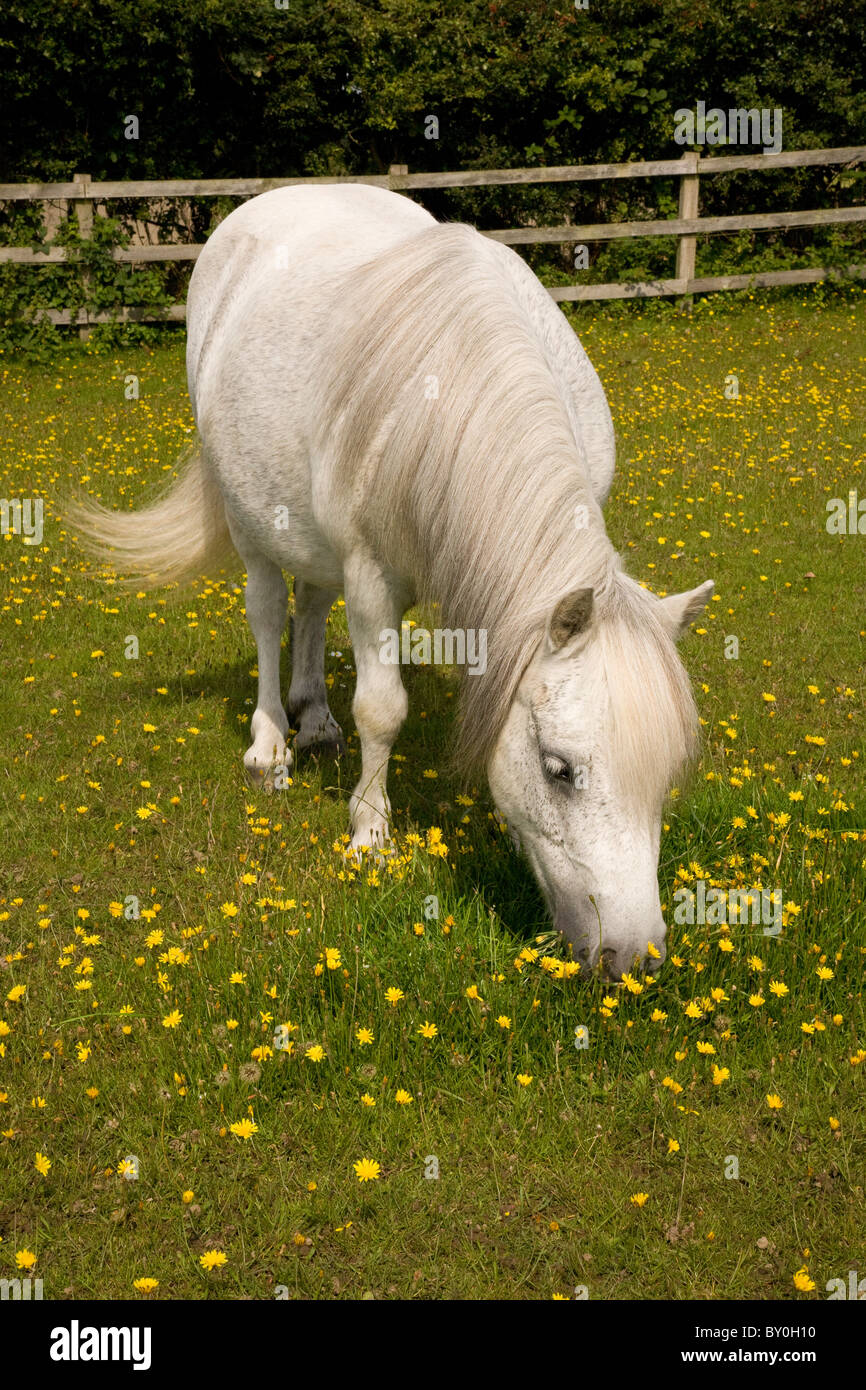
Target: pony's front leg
(374,603)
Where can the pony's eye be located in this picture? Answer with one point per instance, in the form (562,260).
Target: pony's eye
(556,769)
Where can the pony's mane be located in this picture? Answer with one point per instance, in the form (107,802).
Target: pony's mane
(450,440)
(653,719)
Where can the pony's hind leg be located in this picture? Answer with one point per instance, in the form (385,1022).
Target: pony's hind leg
(307,708)
(267,608)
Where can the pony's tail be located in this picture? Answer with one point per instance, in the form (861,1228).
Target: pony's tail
(180,536)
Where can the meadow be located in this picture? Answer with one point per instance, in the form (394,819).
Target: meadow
(235,1064)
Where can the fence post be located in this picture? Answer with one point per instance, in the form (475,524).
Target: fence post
(396,174)
(688,207)
(84,216)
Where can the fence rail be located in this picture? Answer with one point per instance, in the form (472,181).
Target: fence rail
(686,227)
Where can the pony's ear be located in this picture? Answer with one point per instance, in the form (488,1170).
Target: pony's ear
(678,610)
(569,619)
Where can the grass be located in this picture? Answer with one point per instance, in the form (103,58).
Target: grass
(147,1037)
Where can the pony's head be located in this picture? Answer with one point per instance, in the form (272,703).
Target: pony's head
(602,722)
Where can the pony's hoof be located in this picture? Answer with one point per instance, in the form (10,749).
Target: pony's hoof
(320,739)
(274,775)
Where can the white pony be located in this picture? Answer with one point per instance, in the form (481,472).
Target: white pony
(395,409)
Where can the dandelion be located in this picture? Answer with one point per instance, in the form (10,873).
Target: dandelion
(213,1259)
(775,1102)
(428,1030)
(393,996)
(25,1259)
(315,1053)
(173,1019)
(403,1098)
(42,1163)
(364,1036)
(779,988)
(801,1278)
(639,1199)
(720,1074)
(367,1170)
(145,1285)
(244,1129)
(673,1146)
(524,1079)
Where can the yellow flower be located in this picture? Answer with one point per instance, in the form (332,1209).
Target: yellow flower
(833,1123)
(638,1199)
(775,1102)
(403,1098)
(756,1000)
(16,993)
(504,1021)
(673,1146)
(824,973)
(523,1079)
(145,1285)
(25,1259)
(315,1053)
(173,1019)
(801,1278)
(42,1163)
(187,1197)
(428,1030)
(364,1036)
(720,1074)
(367,1100)
(244,1129)
(367,1169)
(333,959)
(394,995)
(778,988)
(212,1259)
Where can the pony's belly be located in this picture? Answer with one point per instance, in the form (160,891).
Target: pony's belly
(281,528)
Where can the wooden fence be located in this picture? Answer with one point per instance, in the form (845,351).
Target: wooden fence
(687,226)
